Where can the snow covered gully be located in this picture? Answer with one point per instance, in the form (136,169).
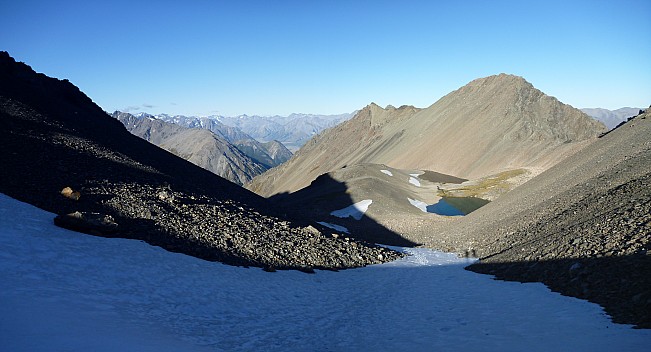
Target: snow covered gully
(68,291)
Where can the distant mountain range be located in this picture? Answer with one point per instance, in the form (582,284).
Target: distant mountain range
(293,130)
(269,153)
(236,148)
(202,147)
(611,118)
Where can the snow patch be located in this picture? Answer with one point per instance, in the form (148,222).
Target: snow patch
(66,291)
(414,181)
(334,226)
(387,172)
(355,211)
(418,204)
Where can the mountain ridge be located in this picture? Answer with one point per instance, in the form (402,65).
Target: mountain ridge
(250,146)
(497,123)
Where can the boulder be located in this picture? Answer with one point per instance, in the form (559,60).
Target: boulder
(90,223)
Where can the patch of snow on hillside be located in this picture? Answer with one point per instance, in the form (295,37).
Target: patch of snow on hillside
(356,211)
(418,204)
(66,291)
(334,226)
(414,181)
(387,172)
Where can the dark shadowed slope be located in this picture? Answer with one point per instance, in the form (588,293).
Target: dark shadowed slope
(583,227)
(54,136)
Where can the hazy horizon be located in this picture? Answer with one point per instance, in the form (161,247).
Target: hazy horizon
(264,58)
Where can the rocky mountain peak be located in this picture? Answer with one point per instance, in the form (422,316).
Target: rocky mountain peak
(510,102)
(489,125)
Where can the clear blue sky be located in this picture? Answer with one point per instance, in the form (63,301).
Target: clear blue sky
(278,57)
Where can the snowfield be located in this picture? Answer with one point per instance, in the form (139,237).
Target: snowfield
(418,204)
(356,211)
(65,291)
(414,181)
(387,172)
(334,226)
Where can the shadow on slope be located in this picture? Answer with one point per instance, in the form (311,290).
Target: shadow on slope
(620,284)
(54,136)
(326,195)
(54,158)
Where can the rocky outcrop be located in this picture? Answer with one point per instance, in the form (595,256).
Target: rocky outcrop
(90,223)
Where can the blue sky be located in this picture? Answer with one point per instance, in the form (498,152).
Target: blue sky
(278,57)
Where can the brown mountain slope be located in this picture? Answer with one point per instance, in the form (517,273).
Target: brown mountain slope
(490,125)
(277,151)
(581,181)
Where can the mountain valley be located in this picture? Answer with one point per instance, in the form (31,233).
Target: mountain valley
(67,156)
(497,170)
(201,147)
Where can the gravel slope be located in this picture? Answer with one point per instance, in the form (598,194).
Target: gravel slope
(582,227)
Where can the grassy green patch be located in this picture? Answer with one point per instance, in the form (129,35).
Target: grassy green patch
(496,183)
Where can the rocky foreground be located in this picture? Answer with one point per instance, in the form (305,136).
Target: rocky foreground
(62,153)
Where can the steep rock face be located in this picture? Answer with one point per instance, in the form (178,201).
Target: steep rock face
(58,118)
(490,125)
(199,146)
